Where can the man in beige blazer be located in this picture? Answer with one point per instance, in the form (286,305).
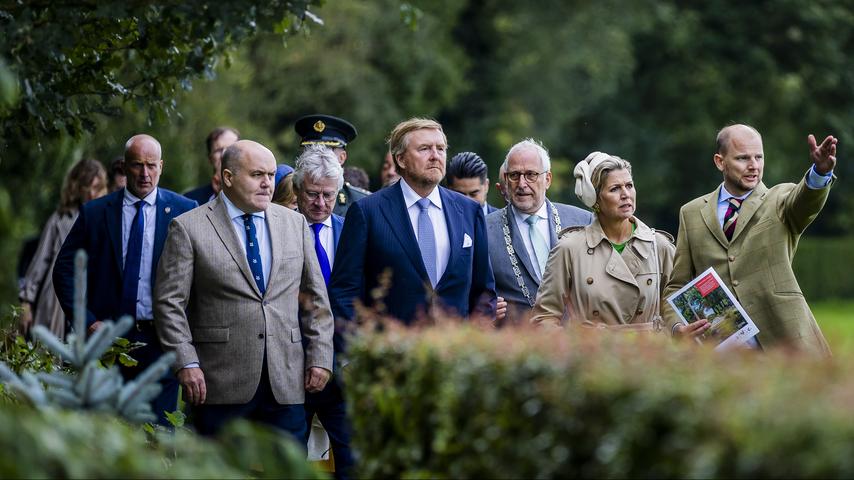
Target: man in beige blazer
(238,293)
(748,233)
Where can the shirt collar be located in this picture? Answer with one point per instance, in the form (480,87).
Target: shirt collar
(542,213)
(725,195)
(233,211)
(131,199)
(410,197)
(327,222)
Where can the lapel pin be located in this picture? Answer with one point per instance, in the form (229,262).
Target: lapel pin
(167,209)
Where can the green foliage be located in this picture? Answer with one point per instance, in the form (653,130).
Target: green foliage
(457,402)
(54,444)
(821,267)
(834,318)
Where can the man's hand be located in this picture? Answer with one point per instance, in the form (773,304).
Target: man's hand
(193,381)
(692,330)
(26,319)
(500,310)
(824,155)
(94,327)
(316,378)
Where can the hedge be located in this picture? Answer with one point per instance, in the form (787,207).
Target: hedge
(66,444)
(459,402)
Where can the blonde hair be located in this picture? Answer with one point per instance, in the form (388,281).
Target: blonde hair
(398,140)
(75,188)
(600,173)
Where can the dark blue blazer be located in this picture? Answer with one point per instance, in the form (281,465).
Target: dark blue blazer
(337,226)
(200,194)
(98,230)
(378,237)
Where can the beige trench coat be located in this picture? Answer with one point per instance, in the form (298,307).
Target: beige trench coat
(598,286)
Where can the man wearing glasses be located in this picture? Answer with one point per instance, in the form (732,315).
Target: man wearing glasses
(317,180)
(522,234)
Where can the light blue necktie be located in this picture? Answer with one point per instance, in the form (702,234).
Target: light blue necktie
(427,240)
(253,253)
(541,247)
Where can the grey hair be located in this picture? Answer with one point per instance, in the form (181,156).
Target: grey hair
(545,161)
(317,162)
(600,173)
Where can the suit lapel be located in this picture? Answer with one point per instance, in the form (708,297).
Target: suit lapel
(454,220)
(113,214)
(275,224)
(218,216)
(748,209)
(551,223)
(164,216)
(337,226)
(519,245)
(394,211)
(710,217)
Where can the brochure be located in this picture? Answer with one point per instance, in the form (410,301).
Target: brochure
(708,297)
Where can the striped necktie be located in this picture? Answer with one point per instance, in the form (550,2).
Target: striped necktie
(731,217)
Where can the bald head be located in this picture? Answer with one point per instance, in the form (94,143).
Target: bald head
(248,173)
(143,164)
(726,134)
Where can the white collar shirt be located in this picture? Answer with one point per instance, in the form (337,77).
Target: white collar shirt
(437,218)
(327,239)
(262,234)
(149,211)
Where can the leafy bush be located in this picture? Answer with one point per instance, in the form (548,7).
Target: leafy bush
(458,402)
(65,444)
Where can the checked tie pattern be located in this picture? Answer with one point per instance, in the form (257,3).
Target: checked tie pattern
(322,256)
(731,217)
(253,253)
(133,259)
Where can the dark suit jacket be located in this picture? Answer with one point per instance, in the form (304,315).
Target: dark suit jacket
(490,209)
(506,284)
(200,194)
(98,231)
(337,226)
(378,237)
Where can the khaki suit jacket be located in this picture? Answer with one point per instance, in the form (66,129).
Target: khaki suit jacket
(594,284)
(208,309)
(756,264)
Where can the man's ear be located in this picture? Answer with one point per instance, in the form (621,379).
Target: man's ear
(226,177)
(719,161)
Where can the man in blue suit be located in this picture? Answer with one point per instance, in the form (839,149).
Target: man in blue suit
(432,241)
(123,234)
(317,180)
(217,141)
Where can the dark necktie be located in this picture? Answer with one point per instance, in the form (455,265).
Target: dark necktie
(253,253)
(731,217)
(133,259)
(322,257)
(427,240)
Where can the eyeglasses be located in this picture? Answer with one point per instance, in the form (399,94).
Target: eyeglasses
(530,177)
(312,196)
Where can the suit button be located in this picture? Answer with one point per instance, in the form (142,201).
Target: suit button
(731,258)
(595,313)
(639,312)
(649,281)
(589,280)
(735,283)
(265,303)
(261,335)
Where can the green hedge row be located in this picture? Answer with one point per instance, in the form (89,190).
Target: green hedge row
(65,444)
(458,402)
(824,267)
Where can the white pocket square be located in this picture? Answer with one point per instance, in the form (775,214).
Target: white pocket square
(466,240)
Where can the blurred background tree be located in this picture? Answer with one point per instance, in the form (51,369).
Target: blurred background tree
(650,80)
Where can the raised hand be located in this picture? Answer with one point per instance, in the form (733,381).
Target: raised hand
(824,155)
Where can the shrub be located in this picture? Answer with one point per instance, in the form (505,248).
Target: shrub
(817,267)
(458,402)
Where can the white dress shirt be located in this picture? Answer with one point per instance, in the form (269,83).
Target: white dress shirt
(542,226)
(262,234)
(327,239)
(437,218)
(149,211)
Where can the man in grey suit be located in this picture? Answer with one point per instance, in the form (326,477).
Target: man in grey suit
(522,234)
(232,279)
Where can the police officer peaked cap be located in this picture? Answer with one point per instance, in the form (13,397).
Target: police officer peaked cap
(325,130)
